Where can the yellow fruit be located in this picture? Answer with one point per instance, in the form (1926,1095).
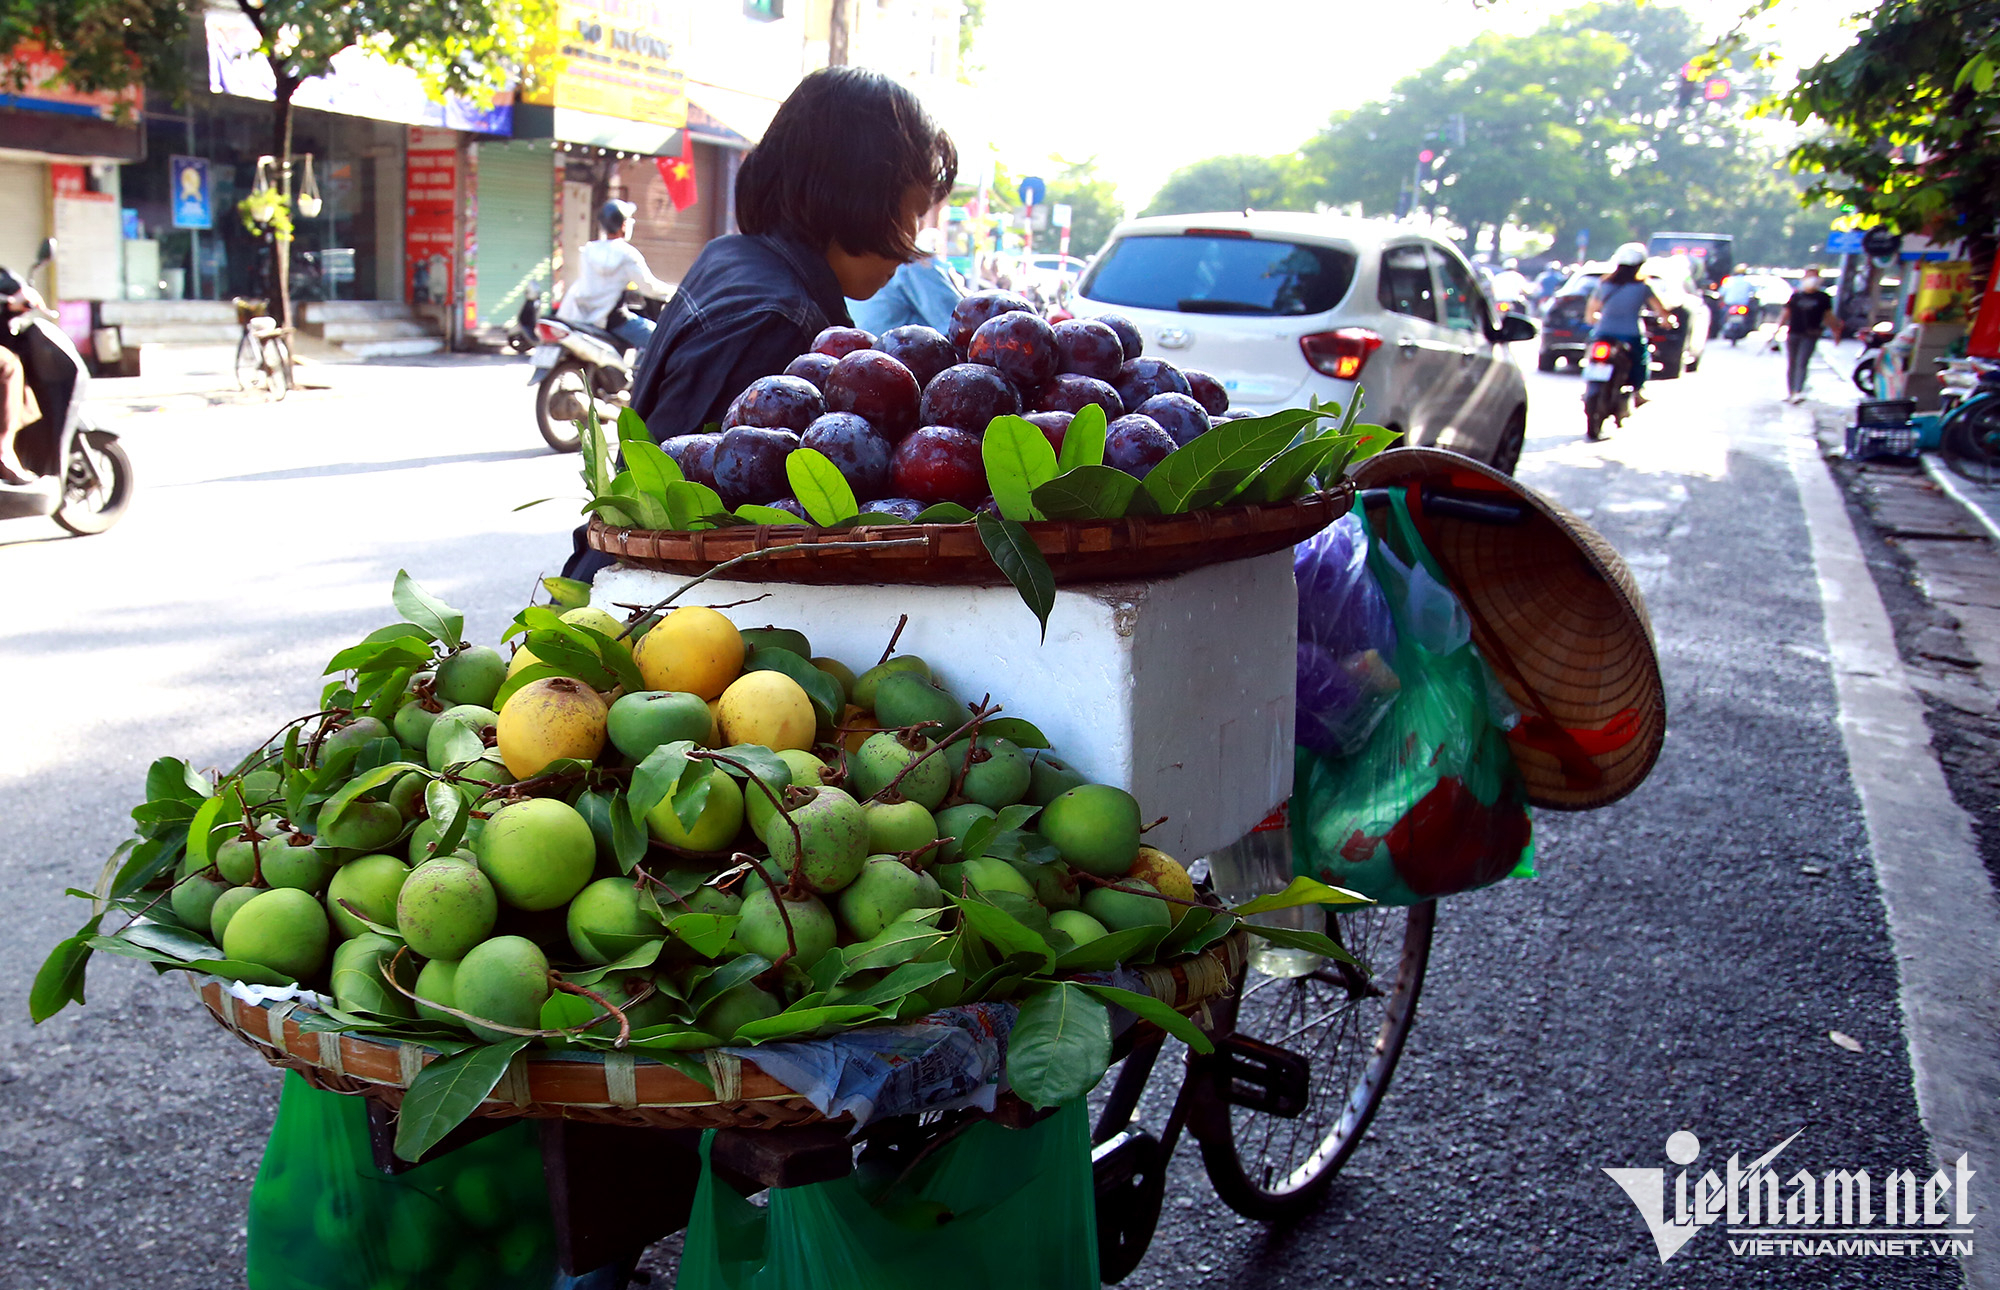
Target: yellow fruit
(547,720)
(523,657)
(692,649)
(1165,873)
(767,708)
(594,618)
(714,739)
(859,724)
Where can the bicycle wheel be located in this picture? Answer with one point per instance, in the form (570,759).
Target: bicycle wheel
(249,363)
(1349,1024)
(275,359)
(1971,441)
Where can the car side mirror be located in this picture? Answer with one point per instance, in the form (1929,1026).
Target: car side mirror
(1513,328)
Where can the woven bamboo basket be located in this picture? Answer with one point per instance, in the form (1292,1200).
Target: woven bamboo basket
(1077,551)
(628,1089)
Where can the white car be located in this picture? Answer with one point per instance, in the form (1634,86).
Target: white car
(1283,307)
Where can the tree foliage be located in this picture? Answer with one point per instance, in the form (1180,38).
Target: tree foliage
(1093,203)
(106,44)
(1909,109)
(1232,183)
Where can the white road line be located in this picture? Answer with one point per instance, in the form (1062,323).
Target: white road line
(1944,925)
(1941,476)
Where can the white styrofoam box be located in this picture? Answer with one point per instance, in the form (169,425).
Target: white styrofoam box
(1180,690)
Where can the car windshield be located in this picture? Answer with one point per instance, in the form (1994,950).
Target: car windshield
(1202,273)
(1580,285)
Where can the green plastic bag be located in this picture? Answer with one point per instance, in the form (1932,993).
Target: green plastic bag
(1433,803)
(323,1217)
(993,1209)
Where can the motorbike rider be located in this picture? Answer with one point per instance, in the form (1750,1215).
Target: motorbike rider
(1737,289)
(1551,281)
(17,402)
(610,265)
(1510,283)
(1614,312)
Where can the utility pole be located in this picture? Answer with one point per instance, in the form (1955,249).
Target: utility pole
(836,35)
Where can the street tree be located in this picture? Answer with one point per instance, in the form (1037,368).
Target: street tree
(1233,183)
(1093,201)
(1908,111)
(106,44)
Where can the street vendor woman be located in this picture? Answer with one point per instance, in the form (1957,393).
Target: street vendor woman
(829,204)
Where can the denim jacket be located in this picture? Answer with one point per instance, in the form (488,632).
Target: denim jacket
(747,308)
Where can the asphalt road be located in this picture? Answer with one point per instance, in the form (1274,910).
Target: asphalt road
(1677,965)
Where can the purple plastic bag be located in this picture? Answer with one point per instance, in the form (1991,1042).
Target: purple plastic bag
(1346,639)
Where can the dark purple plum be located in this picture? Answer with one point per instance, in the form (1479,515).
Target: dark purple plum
(695,455)
(1235,414)
(1135,444)
(1141,378)
(923,350)
(872,385)
(812,367)
(790,505)
(1089,348)
(857,450)
(940,464)
(968,314)
(780,403)
(1206,391)
(1022,346)
(1128,334)
(967,396)
(733,416)
(987,507)
(1071,392)
(905,507)
(1053,425)
(750,465)
(1179,415)
(842,341)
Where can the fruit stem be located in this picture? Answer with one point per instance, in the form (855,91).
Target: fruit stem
(1148,828)
(894,636)
(624,1023)
(979,715)
(1111,884)
(915,859)
(778,899)
(388,971)
(798,838)
(731,563)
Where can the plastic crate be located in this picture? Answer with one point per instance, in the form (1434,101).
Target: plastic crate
(1865,442)
(1884,412)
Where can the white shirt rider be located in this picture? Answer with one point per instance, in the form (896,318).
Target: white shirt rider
(609,266)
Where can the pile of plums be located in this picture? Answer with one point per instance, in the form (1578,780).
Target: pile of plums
(901,415)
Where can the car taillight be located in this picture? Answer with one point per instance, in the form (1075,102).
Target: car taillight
(549,331)
(1600,352)
(1340,354)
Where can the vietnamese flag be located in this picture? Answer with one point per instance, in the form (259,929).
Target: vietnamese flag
(677,173)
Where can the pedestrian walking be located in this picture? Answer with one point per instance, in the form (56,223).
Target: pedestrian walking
(1806,313)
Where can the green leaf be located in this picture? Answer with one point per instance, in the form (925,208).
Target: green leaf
(878,518)
(942,513)
(1302,891)
(629,841)
(1021,733)
(1018,461)
(565,1011)
(1284,476)
(1213,464)
(171,779)
(568,593)
(651,469)
(1017,556)
(575,653)
(1002,930)
(1130,945)
(376,656)
(1060,1046)
(706,934)
(689,505)
(758,760)
(897,944)
(1292,938)
(767,515)
(1374,439)
(178,942)
(904,981)
(1083,442)
(448,813)
(804,1021)
(823,690)
(1147,1008)
(238,970)
(1087,493)
(536,671)
(727,977)
(615,511)
(59,981)
(634,960)
(632,428)
(366,782)
(820,487)
(446,1093)
(201,830)
(427,611)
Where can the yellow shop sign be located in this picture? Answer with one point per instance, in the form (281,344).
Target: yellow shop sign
(616,58)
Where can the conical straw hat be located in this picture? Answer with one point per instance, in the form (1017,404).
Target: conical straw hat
(1556,613)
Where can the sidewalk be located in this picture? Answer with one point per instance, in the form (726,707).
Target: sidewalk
(188,377)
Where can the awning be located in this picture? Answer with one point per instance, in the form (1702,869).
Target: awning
(728,118)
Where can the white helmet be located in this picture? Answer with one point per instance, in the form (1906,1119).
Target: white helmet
(1632,253)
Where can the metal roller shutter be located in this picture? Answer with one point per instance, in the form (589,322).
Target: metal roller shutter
(24,196)
(671,239)
(516,220)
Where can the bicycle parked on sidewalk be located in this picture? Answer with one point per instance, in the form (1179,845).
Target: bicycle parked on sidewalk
(264,353)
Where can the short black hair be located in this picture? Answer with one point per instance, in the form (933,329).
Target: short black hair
(837,160)
(1621,274)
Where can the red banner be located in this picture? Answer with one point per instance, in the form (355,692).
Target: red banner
(1984,341)
(430,188)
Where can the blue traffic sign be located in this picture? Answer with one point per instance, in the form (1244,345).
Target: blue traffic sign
(1032,190)
(1844,241)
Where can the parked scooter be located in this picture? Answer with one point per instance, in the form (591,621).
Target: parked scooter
(83,479)
(575,364)
(1873,342)
(1607,390)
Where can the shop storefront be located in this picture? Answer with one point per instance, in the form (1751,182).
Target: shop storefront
(515,185)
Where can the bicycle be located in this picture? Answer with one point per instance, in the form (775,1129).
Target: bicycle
(1969,429)
(264,353)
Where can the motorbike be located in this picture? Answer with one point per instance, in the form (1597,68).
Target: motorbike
(577,365)
(1739,321)
(83,479)
(1607,390)
(521,332)
(1873,341)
